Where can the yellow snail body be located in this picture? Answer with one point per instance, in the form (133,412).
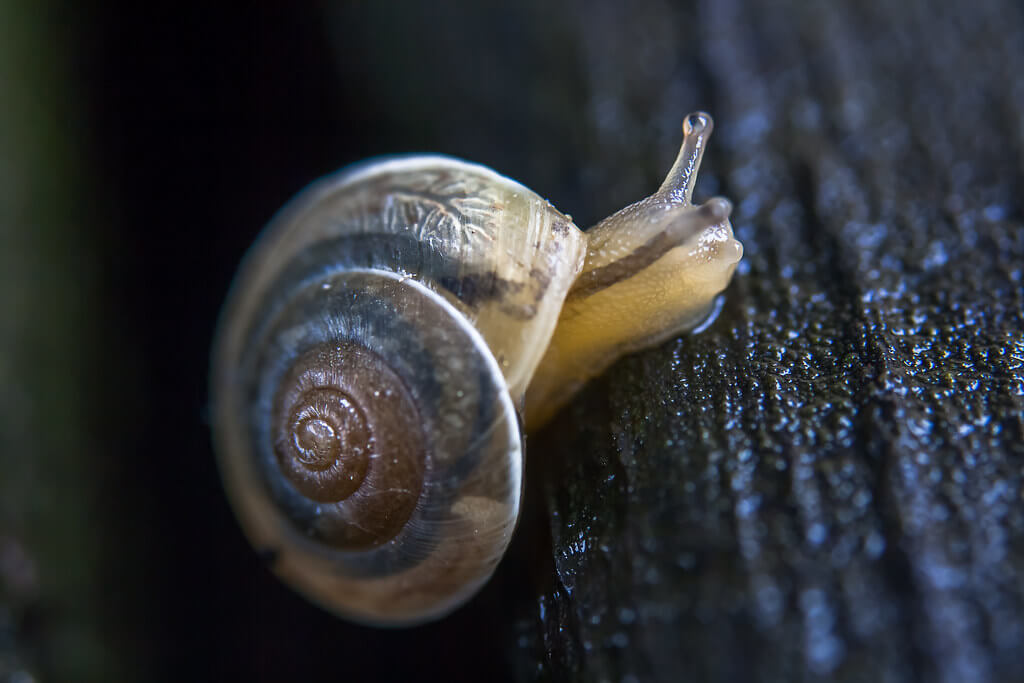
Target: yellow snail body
(382,339)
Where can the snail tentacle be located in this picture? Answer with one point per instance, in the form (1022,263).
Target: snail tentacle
(651,271)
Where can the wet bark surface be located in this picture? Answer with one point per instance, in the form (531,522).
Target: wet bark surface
(825,484)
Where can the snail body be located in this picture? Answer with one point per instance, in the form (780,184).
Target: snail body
(386,334)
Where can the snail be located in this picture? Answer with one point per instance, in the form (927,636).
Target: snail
(388,335)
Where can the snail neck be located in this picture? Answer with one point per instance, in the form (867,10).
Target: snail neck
(652,271)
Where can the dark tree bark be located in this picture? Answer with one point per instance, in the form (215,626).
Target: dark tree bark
(825,484)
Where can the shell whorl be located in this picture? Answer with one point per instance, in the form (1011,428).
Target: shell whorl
(370,446)
(345,428)
(363,416)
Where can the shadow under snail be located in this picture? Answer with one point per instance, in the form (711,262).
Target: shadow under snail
(383,338)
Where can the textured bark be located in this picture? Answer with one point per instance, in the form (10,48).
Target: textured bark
(825,484)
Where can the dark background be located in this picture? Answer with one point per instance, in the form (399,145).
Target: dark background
(824,485)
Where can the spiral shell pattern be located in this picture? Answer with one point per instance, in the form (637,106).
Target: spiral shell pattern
(362,373)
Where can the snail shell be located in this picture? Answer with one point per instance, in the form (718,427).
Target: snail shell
(375,350)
